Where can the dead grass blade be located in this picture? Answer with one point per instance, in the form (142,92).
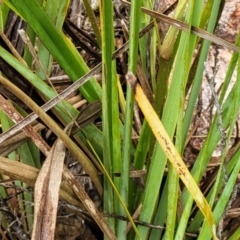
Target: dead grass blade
(18,170)
(27,174)
(46,194)
(89,205)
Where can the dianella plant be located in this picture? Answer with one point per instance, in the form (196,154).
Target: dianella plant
(100,106)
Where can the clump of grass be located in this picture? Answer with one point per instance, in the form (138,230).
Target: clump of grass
(145,122)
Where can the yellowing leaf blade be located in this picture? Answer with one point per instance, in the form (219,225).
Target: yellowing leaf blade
(171,152)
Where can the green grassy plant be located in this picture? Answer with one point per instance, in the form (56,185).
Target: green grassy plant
(168,193)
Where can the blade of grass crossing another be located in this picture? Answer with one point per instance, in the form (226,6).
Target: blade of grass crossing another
(160,216)
(202,161)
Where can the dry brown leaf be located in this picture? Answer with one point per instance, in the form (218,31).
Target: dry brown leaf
(46,194)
